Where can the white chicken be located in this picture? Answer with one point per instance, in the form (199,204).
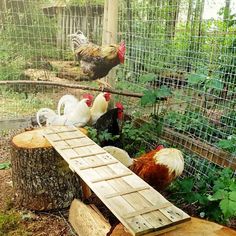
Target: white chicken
(69,102)
(51,117)
(100,106)
(81,113)
(120,154)
(79,116)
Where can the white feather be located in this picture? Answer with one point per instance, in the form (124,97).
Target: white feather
(172,158)
(69,102)
(80,115)
(51,117)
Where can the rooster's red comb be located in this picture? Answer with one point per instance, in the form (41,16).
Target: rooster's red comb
(119,105)
(159,147)
(88,96)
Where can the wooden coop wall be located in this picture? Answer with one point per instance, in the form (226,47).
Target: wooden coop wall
(70,19)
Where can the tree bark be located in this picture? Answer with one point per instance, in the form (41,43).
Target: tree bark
(41,178)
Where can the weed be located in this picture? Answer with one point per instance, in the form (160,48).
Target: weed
(214,196)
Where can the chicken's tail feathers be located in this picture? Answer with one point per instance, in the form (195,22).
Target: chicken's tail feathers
(46,112)
(172,158)
(78,39)
(62,102)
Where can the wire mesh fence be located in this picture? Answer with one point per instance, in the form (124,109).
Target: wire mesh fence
(189,48)
(184,50)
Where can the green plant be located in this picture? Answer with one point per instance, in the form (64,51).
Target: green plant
(137,139)
(214,196)
(99,137)
(228,144)
(9,222)
(5,165)
(202,79)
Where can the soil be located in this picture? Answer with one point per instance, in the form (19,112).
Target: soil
(28,222)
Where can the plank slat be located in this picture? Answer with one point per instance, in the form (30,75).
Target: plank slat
(146,210)
(132,190)
(136,204)
(87,155)
(110,177)
(65,139)
(98,165)
(77,146)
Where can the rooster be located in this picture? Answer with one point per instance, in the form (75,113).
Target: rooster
(100,106)
(110,122)
(79,116)
(96,61)
(70,102)
(158,167)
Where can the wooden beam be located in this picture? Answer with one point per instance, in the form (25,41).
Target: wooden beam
(73,86)
(110,28)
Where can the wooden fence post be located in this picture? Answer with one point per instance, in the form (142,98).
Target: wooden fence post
(110,28)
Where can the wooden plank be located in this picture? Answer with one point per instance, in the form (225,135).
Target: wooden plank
(65,139)
(146,210)
(85,155)
(111,177)
(137,205)
(77,146)
(60,131)
(132,190)
(97,165)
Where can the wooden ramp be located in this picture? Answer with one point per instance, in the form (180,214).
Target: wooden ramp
(139,207)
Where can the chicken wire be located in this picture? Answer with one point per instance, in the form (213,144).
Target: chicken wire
(188,46)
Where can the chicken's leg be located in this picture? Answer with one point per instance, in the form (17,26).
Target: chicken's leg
(103,84)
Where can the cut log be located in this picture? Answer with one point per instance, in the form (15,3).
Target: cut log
(87,221)
(41,178)
(192,228)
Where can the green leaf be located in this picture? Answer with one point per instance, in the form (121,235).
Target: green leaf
(148,77)
(196,78)
(5,165)
(148,98)
(163,92)
(232,196)
(186,184)
(228,208)
(214,84)
(220,194)
(225,144)
(232,187)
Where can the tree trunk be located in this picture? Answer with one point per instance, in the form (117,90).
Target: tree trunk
(42,180)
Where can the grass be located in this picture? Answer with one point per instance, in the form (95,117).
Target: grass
(9,223)
(17,104)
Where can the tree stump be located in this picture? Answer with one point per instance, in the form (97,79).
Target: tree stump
(41,178)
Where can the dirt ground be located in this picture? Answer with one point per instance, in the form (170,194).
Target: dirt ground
(15,221)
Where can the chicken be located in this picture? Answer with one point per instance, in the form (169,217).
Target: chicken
(79,116)
(51,117)
(109,122)
(120,154)
(100,106)
(158,167)
(69,102)
(96,61)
